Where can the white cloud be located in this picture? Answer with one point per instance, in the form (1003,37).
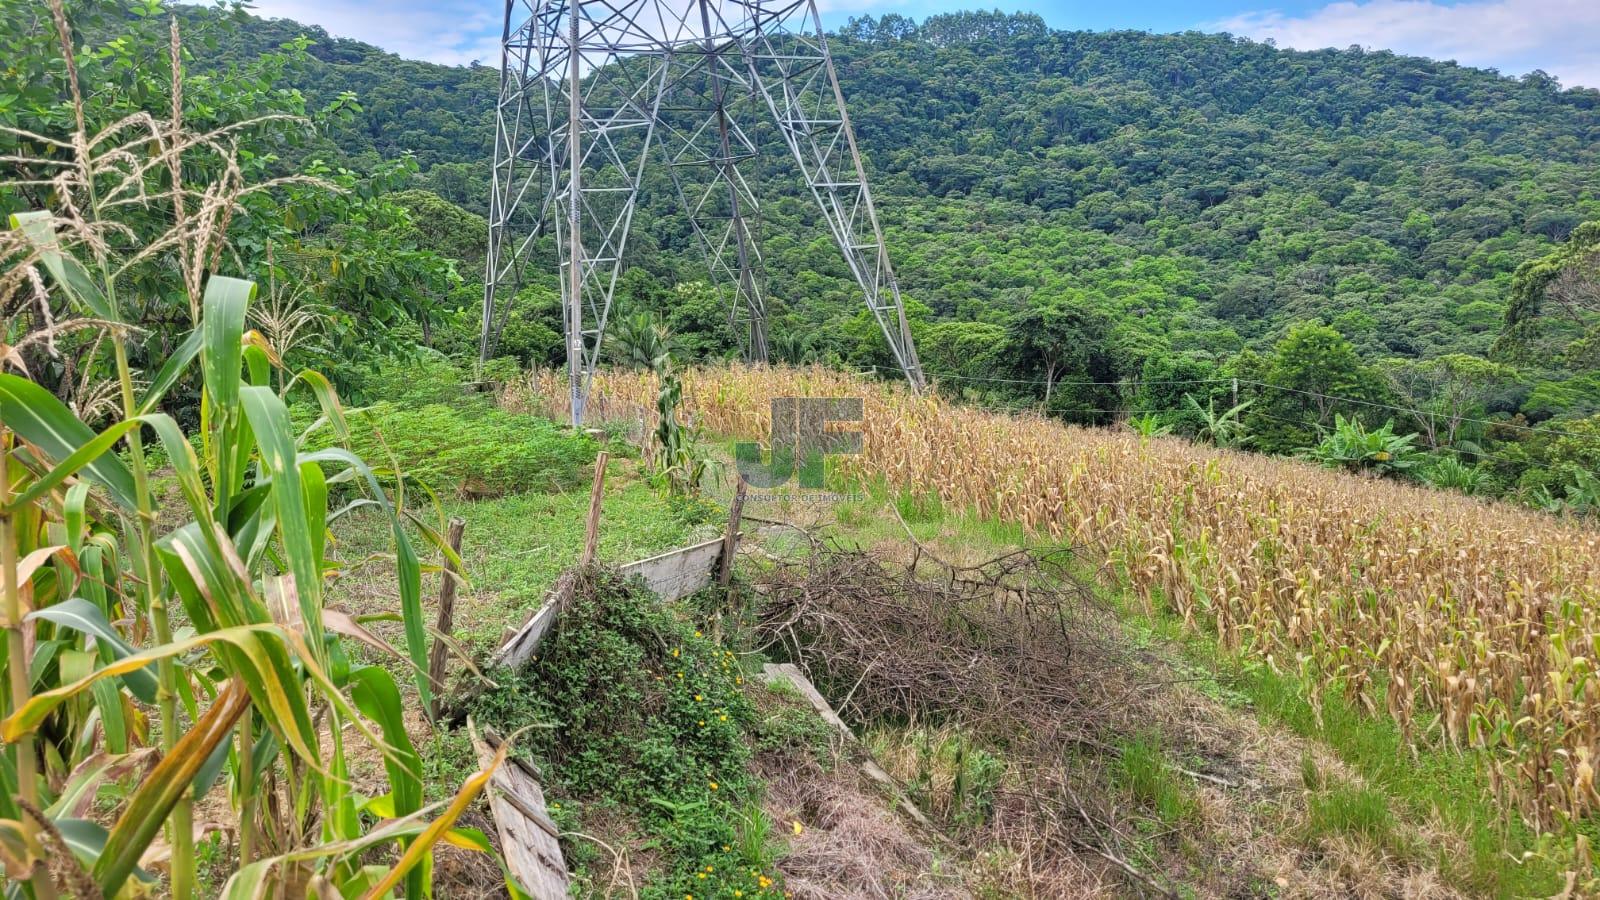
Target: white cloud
(453,32)
(1562,37)
(439,31)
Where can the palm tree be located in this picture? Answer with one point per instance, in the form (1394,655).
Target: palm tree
(640,341)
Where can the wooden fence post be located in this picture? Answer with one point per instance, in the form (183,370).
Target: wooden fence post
(730,540)
(591,537)
(447,612)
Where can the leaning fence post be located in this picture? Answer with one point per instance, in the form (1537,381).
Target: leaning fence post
(447,612)
(591,537)
(730,540)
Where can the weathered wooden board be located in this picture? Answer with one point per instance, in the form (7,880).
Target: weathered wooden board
(519,648)
(681,572)
(529,840)
(869,767)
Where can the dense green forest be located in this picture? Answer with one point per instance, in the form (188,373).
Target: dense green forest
(1272,249)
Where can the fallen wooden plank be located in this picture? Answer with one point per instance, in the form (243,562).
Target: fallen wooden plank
(681,572)
(528,838)
(869,767)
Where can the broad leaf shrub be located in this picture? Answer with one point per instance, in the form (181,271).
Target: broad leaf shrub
(1356,448)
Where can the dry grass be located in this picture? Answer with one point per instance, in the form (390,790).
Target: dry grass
(1472,624)
(851,846)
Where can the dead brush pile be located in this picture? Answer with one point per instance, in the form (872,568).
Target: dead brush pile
(1006,653)
(1473,625)
(998,641)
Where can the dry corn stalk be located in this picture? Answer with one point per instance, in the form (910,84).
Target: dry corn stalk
(1473,624)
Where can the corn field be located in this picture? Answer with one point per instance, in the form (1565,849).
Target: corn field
(172,668)
(1473,625)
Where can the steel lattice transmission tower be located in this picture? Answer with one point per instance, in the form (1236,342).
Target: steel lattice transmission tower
(680,82)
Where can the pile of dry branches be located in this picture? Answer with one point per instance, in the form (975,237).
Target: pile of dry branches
(999,646)
(1013,649)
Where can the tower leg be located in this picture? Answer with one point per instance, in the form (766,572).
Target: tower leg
(581,70)
(790,65)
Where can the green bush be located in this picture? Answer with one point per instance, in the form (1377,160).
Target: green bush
(1450,473)
(1356,448)
(472,448)
(636,710)
(424,377)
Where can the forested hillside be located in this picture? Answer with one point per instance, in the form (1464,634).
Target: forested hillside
(1393,194)
(1167,213)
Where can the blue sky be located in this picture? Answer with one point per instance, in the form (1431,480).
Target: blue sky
(1561,37)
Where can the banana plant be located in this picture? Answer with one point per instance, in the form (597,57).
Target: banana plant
(209,610)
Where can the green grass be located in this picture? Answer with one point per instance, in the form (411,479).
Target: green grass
(1143,771)
(516,546)
(1357,812)
(1448,785)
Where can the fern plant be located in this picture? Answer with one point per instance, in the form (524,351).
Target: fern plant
(640,341)
(1149,425)
(1450,473)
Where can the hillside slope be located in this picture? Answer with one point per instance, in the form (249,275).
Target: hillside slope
(1241,185)
(1367,613)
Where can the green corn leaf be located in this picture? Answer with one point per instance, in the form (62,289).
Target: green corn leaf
(259,880)
(84,617)
(257,362)
(265,665)
(314,492)
(187,572)
(261,662)
(84,838)
(76,460)
(45,422)
(221,350)
(171,371)
(209,772)
(185,465)
(251,523)
(74,515)
(376,695)
(269,419)
(44,653)
(408,569)
(40,230)
(221,355)
(108,700)
(421,849)
(147,810)
(328,399)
